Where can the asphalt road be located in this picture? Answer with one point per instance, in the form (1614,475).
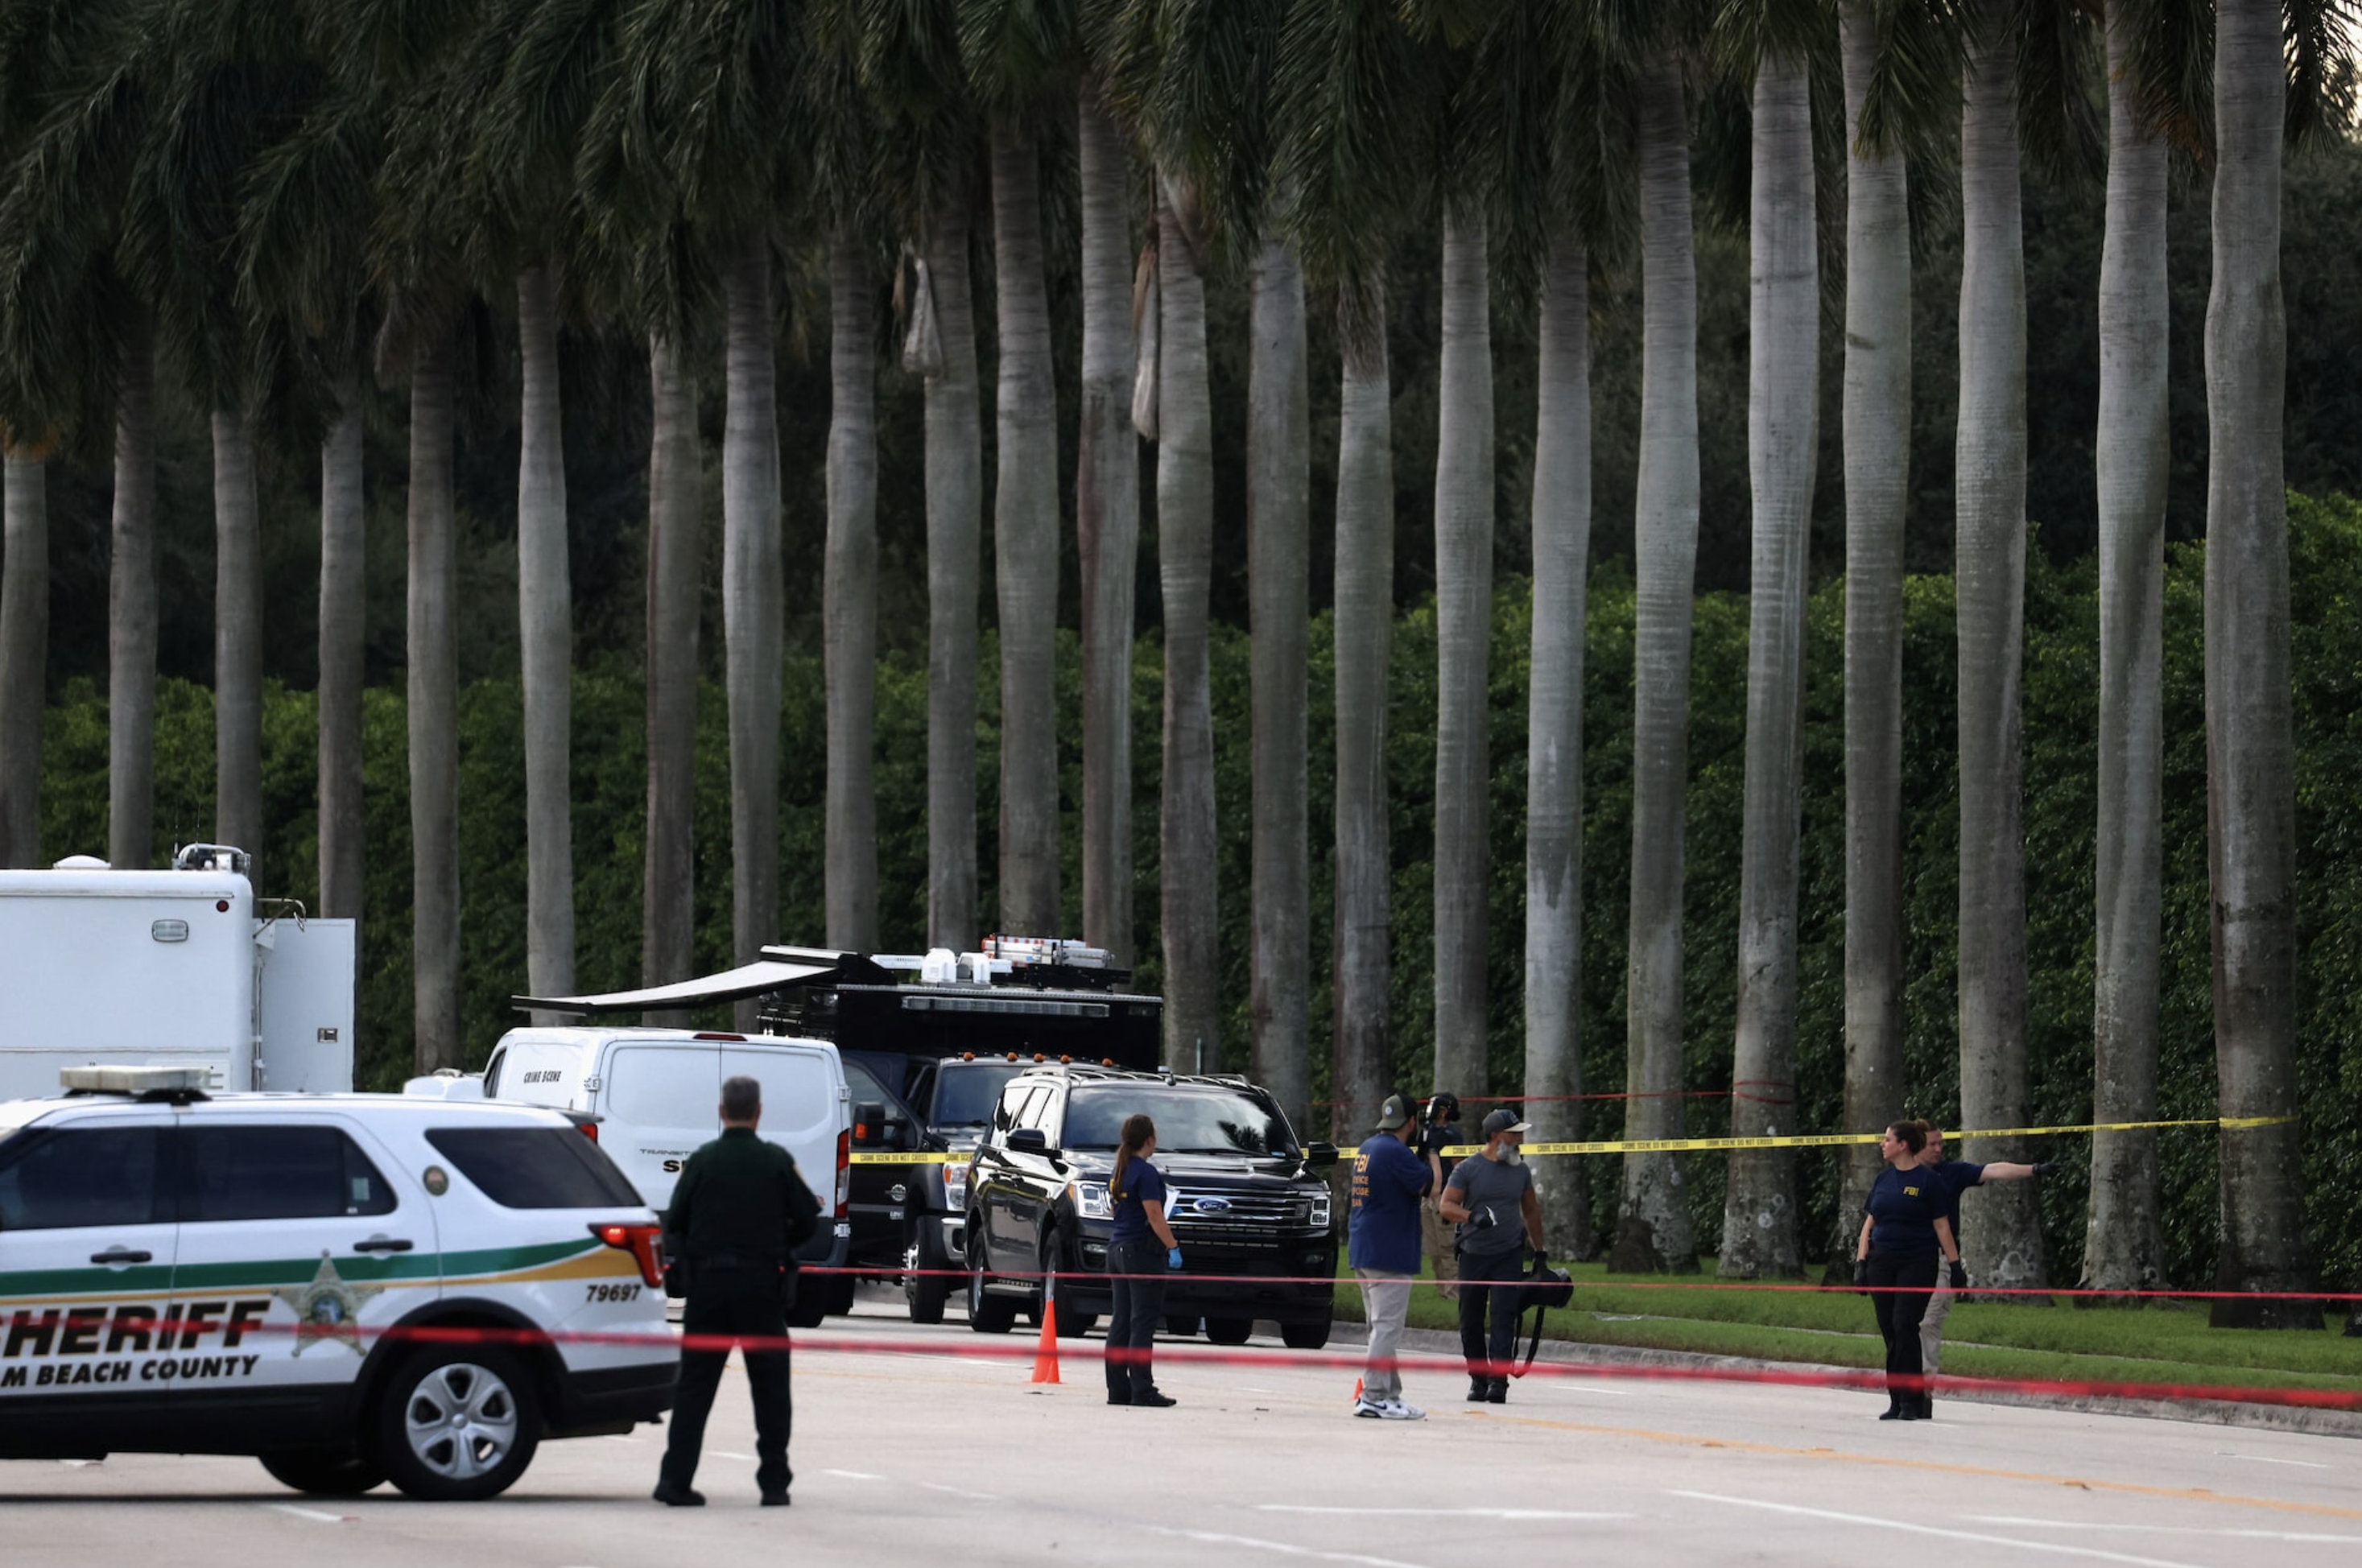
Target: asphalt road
(952,1455)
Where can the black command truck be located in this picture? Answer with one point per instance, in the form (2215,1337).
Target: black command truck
(928,1041)
(1248,1203)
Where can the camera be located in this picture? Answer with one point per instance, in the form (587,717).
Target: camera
(1438,1131)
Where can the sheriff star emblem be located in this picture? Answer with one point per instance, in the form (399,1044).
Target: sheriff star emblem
(328,1308)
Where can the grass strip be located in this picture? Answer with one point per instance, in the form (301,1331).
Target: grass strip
(2163,1343)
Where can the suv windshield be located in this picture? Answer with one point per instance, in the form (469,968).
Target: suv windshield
(1192,1121)
(965,1092)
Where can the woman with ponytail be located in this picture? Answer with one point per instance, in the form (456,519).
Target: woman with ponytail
(1140,1248)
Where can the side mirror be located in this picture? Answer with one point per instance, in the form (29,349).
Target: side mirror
(1319,1156)
(1029,1140)
(868,1124)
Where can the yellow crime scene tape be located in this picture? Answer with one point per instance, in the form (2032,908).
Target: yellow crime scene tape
(1836,1140)
(1670,1145)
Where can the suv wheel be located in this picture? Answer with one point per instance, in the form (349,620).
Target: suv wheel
(1182,1326)
(1304,1336)
(1230,1330)
(457,1424)
(987,1314)
(324,1475)
(926,1287)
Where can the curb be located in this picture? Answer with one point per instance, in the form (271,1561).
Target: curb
(2298,1418)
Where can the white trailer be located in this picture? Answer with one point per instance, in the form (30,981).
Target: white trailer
(182,968)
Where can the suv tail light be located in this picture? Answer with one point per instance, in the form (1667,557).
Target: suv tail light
(644,1242)
(844,1174)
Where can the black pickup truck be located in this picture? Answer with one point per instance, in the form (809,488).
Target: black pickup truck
(1247,1200)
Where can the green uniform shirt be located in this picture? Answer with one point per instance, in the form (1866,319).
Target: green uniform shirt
(739,1197)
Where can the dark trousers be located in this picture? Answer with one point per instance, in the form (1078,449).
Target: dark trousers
(1132,1317)
(736,1302)
(1899,1312)
(1489,1350)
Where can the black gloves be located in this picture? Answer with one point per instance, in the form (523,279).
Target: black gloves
(1862,1274)
(1541,1260)
(1959,1275)
(2045,1169)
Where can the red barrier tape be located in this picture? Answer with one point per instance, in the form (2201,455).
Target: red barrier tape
(1018,1351)
(1790,1287)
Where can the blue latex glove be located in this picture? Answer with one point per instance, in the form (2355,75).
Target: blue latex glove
(1173,1258)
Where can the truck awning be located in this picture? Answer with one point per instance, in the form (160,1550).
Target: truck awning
(748,981)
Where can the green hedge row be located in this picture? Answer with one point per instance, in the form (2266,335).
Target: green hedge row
(2061,702)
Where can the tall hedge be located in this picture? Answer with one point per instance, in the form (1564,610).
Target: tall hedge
(2062,690)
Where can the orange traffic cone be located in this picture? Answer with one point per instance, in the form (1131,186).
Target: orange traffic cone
(1357,1391)
(1045,1355)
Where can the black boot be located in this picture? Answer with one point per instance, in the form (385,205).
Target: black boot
(1478,1387)
(1893,1408)
(1926,1407)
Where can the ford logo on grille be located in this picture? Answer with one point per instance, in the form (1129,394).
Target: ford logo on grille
(1212,1206)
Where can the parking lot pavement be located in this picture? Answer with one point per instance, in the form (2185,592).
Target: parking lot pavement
(951,1453)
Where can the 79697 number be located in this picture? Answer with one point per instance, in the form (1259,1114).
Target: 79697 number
(611,1292)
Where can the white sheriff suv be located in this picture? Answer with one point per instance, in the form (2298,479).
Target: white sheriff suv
(354,1288)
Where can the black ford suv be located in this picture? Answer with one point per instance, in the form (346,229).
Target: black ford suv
(1247,1201)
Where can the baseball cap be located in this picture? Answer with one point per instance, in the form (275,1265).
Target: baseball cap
(1503,1121)
(1394,1114)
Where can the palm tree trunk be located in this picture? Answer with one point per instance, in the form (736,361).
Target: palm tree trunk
(1653,1232)
(954,448)
(2250,749)
(131,607)
(849,594)
(24,658)
(1999,1224)
(1877,480)
(1463,614)
(545,622)
(1759,1224)
(1279,564)
(433,691)
(1362,1038)
(1554,742)
(344,604)
(676,485)
(238,637)
(751,607)
(1185,555)
(1107,526)
(2124,1246)
(1025,543)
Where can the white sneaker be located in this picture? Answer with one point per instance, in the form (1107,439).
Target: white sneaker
(1389,1410)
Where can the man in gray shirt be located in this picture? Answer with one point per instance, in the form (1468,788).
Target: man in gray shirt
(1491,1200)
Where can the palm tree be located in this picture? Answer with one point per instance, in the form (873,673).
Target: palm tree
(692,125)
(23,654)
(545,620)
(910,66)
(1195,81)
(1897,81)
(2251,805)
(842,170)
(2008,50)
(1759,1227)
(1011,54)
(849,597)
(1353,164)
(1278,568)
(344,602)
(2123,1241)
(1654,1229)
(131,605)
(1184,558)
(676,486)
(1107,519)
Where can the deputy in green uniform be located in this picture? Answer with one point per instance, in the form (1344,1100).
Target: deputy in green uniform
(737,1217)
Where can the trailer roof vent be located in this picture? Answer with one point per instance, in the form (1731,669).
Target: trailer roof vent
(148,1082)
(82,863)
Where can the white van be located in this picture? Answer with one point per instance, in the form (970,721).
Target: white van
(654,1094)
